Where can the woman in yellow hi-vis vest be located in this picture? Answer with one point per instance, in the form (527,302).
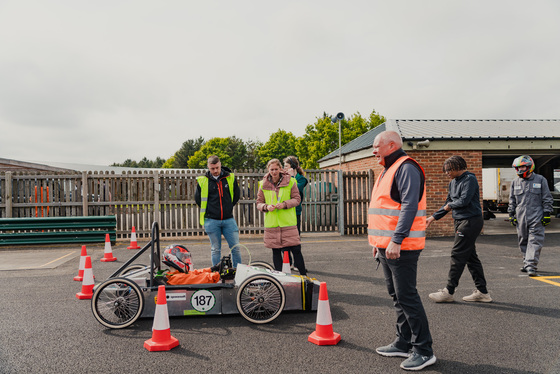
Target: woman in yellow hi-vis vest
(278,198)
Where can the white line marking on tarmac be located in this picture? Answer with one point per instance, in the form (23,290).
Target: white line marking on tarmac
(60,258)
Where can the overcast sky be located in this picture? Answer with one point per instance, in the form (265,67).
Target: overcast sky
(97,82)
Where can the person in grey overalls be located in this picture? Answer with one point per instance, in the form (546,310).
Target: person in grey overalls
(530,207)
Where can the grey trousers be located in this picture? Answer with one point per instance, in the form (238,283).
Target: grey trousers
(531,240)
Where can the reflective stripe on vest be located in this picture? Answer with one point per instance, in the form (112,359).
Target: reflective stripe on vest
(203,183)
(383,213)
(279,217)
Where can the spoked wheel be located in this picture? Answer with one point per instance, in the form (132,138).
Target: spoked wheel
(262,264)
(117,303)
(133,268)
(261,298)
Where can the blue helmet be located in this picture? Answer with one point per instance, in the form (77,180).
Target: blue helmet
(524,161)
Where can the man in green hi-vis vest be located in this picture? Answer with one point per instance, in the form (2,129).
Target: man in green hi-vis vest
(216,194)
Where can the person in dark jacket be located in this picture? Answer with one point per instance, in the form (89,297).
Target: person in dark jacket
(463,200)
(292,167)
(216,194)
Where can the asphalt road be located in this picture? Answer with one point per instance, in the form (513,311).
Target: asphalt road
(44,328)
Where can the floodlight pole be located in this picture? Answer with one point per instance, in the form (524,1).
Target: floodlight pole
(340,145)
(338,118)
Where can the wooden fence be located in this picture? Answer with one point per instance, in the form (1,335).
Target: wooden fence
(140,198)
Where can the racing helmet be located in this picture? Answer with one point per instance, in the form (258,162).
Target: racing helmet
(178,257)
(524,161)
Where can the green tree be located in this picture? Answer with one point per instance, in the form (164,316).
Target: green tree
(169,163)
(231,151)
(128,163)
(321,138)
(181,157)
(144,163)
(279,145)
(253,160)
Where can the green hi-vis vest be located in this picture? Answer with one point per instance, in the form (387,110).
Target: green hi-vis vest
(279,217)
(203,183)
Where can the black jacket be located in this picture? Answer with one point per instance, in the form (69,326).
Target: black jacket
(463,198)
(220,204)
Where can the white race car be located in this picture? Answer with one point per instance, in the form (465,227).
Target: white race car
(258,292)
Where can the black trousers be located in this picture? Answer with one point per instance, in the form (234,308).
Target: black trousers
(413,331)
(464,253)
(298,258)
(299,232)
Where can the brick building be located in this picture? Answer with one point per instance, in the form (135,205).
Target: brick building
(482,143)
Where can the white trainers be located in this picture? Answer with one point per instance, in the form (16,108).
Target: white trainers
(442,296)
(478,296)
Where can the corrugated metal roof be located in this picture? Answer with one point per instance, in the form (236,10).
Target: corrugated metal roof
(477,129)
(456,129)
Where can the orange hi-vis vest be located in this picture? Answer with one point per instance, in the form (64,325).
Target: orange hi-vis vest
(383,213)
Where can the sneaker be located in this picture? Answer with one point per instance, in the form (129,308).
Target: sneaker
(531,272)
(478,296)
(523,269)
(417,362)
(442,296)
(391,351)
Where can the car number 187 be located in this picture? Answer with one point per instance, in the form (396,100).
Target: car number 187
(203,300)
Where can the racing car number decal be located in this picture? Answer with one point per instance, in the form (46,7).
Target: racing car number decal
(203,300)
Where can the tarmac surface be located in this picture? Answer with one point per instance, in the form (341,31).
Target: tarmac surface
(44,328)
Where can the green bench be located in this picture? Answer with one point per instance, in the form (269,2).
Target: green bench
(57,230)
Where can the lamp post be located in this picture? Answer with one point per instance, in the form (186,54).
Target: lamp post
(338,118)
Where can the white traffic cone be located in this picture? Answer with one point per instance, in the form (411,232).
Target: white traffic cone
(133,242)
(82,265)
(161,333)
(108,254)
(286,263)
(323,334)
(87,283)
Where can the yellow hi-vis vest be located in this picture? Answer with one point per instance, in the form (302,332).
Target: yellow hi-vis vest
(203,183)
(279,217)
(383,213)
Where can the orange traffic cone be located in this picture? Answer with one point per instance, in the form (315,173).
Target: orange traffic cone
(80,276)
(87,283)
(324,334)
(133,243)
(286,263)
(108,257)
(161,334)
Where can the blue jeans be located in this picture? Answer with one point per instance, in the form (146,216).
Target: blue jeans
(215,228)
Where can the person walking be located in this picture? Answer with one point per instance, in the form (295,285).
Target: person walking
(278,197)
(463,200)
(396,231)
(216,194)
(530,208)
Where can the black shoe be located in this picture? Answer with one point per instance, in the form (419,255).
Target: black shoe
(392,351)
(523,269)
(531,272)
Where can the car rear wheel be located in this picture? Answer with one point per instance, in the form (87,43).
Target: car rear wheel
(117,303)
(261,298)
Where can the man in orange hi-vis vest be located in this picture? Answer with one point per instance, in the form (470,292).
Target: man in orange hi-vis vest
(396,230)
